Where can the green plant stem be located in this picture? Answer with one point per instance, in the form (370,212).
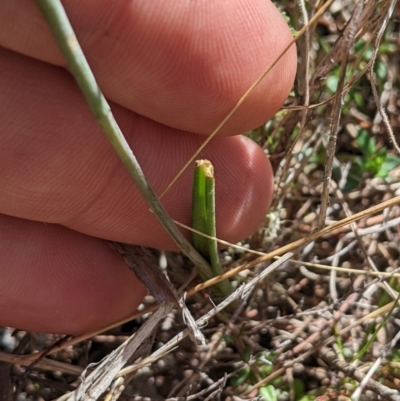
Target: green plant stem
(372,337)
(199,211)
(203,220)
(211,223)
(58,22)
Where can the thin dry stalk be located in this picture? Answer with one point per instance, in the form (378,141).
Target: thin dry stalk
(385,119)
(336,112)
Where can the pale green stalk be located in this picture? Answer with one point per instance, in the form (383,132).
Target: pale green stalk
(211,223)
(371,339)
(199,210)
(58,22)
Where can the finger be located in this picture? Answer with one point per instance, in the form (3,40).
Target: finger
(183,64)
(57,166)
(56,280)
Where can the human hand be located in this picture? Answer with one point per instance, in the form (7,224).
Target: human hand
(172,71)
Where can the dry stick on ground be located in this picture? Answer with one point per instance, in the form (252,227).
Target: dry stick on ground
(331,359)
(44,364)
(237,294)
(368,378)
(303,70)
(212,347)
(97,382)
(146,269)
(336,112)
(283,187)
(142,264)
(212,388)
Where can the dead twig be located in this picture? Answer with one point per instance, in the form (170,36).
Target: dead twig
(329,356)
(349,37)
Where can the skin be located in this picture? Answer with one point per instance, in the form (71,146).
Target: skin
(171,71)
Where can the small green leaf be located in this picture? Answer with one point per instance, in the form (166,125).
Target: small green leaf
(359,99)
(240,377)
(229,339)
(245,354)
(307,398)
(268,393)
(331,83)
(374,164)
(366,144)
(388,48)
(359,45)
(267,370)
(368,54)
(390,163)
(381,70)
(298,387)
(355,176)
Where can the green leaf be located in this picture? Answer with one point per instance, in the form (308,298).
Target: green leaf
(240,376)
(332,82)
(366,144)
(307,398)
(374,164)
(381,70)
(359,99)
(268,393)
(370,340)
(359,45)
(390,163)
(229,339)
(388,48)
(266,370)
(245,354)
(355,175)
(298,387)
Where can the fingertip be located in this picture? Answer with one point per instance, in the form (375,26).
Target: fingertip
(59,281)
(245,194)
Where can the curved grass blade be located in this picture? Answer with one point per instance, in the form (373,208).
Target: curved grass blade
(67,41)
